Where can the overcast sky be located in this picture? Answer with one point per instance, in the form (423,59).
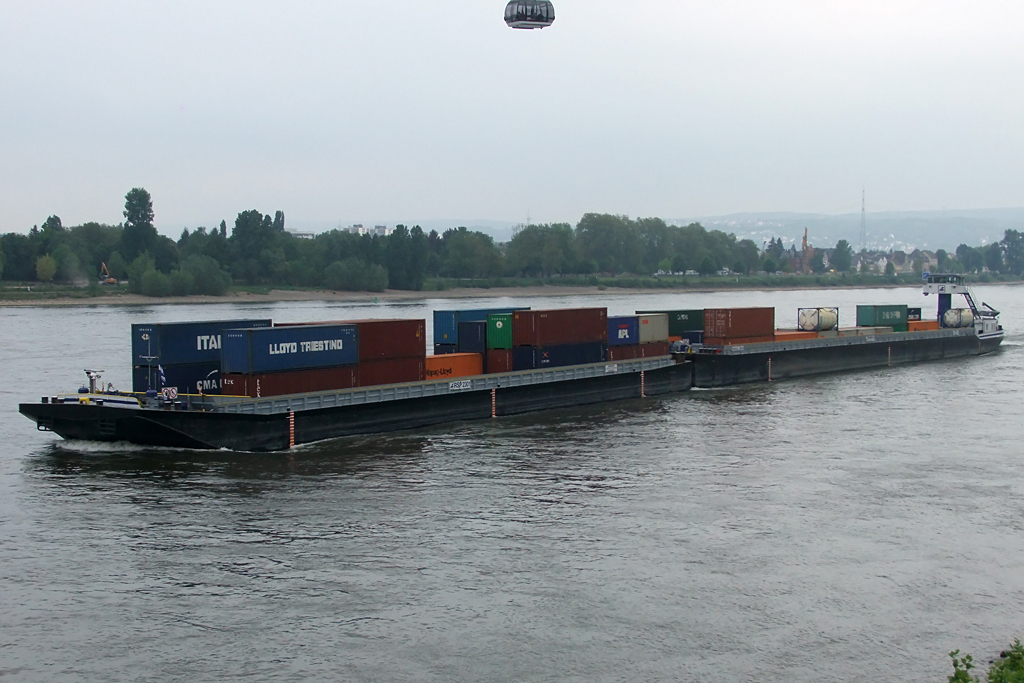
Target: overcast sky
(407,110)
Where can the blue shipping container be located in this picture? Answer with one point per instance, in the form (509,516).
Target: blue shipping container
(537,357)
(192,378)
(181,343)
(693,337)
(446,323)
(441,349)
(473,337)
(623,330)
(301,347)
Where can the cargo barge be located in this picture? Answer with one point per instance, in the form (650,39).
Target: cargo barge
(291,384)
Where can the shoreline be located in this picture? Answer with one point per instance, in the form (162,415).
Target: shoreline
(391,295)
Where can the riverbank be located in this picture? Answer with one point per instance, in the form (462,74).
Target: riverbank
(279,295)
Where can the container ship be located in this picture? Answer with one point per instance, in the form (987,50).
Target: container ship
(253,385)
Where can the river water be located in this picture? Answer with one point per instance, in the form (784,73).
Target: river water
(848,527)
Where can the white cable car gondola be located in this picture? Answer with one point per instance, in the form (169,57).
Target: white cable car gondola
(529,13)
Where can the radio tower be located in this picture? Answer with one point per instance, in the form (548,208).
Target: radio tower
(863,224)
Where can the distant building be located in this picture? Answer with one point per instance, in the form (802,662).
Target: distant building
(301,235)
(379,230)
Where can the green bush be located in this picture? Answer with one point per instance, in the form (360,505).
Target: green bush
(182,282)
(46,267)
(207,275)
(155,283)
(1009,668)
(354,275)
(137,270)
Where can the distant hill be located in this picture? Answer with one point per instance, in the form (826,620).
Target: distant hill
(906,230)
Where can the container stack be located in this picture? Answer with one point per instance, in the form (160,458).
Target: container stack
(894,316)
(559,337)
(638,336)
(184,356)
(498,355)
(448,326)
(685,325)
(297,358)
(728,326)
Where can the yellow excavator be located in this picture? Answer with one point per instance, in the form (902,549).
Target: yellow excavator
(105,278)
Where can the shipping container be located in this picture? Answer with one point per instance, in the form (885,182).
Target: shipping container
(922,325)
(682,321)
(183,342)
(653,349)
(623,330)
(891,315)
(653,328)
(499,360)
(261,385)
(536,357)
(692,337)
(794,335)
(913,314)
(381,339)
(499,331)
(556,327)
(441,349)
(473,337)
(187,378)
(392,371)
(725,323)
(817,319)
(617,353)
(734,341)
(446,322)
(863,331)
(454,365)
(293,347)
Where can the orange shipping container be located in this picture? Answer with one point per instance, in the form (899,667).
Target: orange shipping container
(788,335)
(922,325)
(454,365)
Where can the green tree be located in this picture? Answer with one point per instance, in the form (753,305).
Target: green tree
(139,235)
(1013,251)
(769,265)
(46,267)
(117,266)
(890,268)
(941,256)
(842,256)
(355,275)
(818,261)
(137,269)
(1,259)
(707,266)
(994,257)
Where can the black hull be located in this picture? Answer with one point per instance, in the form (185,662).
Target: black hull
(242,432)
(714,370)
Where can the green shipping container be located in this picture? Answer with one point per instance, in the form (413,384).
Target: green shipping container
(499,331)
(681,322)
(894,316)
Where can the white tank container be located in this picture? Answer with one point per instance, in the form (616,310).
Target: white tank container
(817,319)
(958,317)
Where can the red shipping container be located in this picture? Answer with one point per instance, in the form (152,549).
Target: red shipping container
(265,384)
(384,338)
(623,352)
(653,350)
(392,371)
(555,327)
(734,341)
(726,323)
(498,360)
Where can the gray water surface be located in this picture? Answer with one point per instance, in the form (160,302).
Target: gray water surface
(849,527)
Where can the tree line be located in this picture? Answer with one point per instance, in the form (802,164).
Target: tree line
(257,250)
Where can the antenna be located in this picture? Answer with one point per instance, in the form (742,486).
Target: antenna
(863,224)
